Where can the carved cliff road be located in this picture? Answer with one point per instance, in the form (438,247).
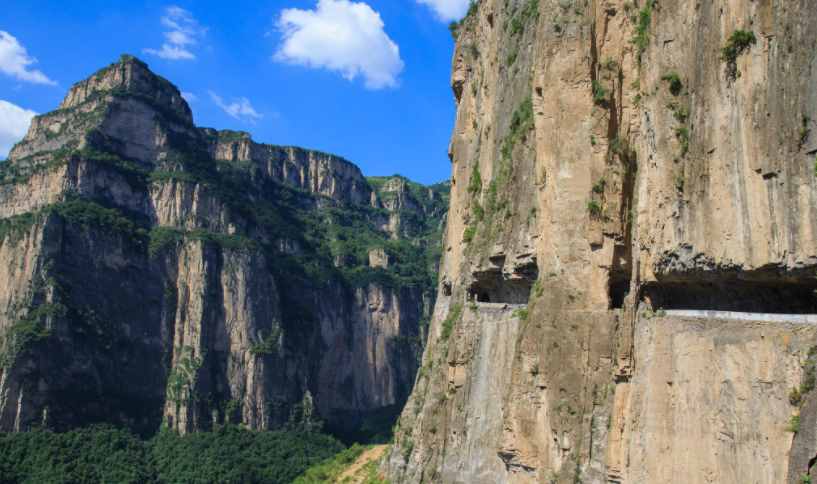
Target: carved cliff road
(743,316)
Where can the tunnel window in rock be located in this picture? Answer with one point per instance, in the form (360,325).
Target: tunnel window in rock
(771,295)
(509,287)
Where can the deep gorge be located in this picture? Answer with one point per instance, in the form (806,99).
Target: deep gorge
(618,284)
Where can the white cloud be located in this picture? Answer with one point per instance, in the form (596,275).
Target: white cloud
(342,36)
(240,108)
(448,10)
(171,52)
(189,97)
(15,61)
(183,32)
(14,122)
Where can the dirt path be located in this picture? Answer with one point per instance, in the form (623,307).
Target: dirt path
(354,473)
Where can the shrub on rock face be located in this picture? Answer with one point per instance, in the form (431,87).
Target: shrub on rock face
(453,317)
(454,28)
(642,21)
(739,42)
(675,84)
(594,209)
(599,93)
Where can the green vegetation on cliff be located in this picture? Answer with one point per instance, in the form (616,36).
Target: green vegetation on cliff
(739,42)
(643,20)
(454,27)
(87,213)
(79,212)
(453,317)
(275,243)
(419,211)
(488,217)
(675,84)
(14,227)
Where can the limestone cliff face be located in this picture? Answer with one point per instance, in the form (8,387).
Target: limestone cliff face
(163,273)
(313,171)
(614,163)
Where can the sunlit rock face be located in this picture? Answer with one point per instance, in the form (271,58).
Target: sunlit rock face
(625,176)
(159,273)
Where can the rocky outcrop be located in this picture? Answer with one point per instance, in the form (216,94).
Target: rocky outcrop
(160,273)
(312,171)
(413,210)
(612,160)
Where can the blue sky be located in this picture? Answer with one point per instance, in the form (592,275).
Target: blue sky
(367,80)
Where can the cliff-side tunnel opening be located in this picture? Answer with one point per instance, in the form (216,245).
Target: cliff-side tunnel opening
(510,292)
(768,296)
(495,287)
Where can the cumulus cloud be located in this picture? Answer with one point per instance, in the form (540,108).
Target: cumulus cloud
(240,108)
(448,10)
(341,36)
(14,122)
(182,34)
(15,61)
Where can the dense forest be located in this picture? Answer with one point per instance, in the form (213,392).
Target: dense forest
(107,454)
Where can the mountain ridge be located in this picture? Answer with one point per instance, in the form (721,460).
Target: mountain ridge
(240,279)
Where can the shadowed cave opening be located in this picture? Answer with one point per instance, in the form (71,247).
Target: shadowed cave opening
(619,288)
(769,296)
(493,286)
(618,285)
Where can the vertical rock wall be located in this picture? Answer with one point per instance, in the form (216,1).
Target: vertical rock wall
(163,274)
(612,160)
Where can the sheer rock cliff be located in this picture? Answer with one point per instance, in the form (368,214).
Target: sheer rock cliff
(164,274)
(633,189)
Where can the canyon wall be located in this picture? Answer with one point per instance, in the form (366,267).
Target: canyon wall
(164,274)
(633,192)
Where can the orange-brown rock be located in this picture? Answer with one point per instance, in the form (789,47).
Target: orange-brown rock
(614,162)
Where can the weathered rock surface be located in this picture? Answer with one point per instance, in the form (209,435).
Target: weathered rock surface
(709,400)
(610,159)
(162,273)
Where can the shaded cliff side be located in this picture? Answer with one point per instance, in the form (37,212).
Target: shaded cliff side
(618,166)
(160,272)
